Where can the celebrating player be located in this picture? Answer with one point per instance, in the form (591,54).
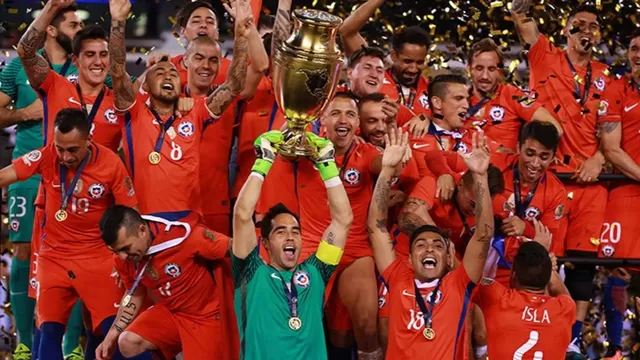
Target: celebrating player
(279,305)
(81,179)
(576,89)
(430,284)
(169,258)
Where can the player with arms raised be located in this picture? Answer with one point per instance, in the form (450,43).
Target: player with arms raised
(422,324)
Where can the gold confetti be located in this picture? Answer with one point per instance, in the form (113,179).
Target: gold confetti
(496,4)
(578,79)
(594,241)
(22,26)
(570,195)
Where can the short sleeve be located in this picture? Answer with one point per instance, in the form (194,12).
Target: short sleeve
(404,115)
(123,270)
(396,272)
(371,152)
(208,244)
(325,269)
(425,190)
(50,81)
(459,279)
(31,163)
(539,51)
(139,104)
(8,77)
(244,269)
(202,112)
(568,308)
(610,106)
(520,103)
(489,292)
(122,186)
(409,177)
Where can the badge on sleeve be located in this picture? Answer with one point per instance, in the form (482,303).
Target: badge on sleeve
(559,212)
(31,157)
(603,108)
(209,234)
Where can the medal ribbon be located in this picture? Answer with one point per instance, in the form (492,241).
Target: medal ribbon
(582,98)
(138,277)
(291,293)
(412,96)
(437,133)
(65,193)
(520,206)
(163,129)
(427,314)
(94,108)
(475,108)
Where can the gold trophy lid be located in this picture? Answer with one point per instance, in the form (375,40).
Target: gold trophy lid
(321,18)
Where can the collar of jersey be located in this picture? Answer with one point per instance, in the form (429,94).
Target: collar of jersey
(426,285)
(168,224)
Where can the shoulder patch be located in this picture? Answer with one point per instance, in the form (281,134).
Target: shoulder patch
(209,234)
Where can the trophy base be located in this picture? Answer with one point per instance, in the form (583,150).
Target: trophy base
(295,145)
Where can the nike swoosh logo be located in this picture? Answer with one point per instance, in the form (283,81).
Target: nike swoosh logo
(419,146)
(405,293)
(73,101)
(627,109)
(116,305)
(273,275)
(55,186)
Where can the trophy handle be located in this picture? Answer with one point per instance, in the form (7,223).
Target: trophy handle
(295,142)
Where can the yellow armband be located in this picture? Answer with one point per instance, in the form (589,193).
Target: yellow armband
(329,254)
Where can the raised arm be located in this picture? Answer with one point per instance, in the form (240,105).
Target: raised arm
(222,97)
(476,253)
(350,28)
(610,139)
(395,148)
(36,66)
(243,226)
(122,85)
(282,25)
(525,25)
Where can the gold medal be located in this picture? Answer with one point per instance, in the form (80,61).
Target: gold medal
(429,333)
(61,215)
(126,301)
(295,323)
(154,157)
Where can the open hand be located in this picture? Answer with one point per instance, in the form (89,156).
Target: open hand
(445,186)
(240,11)
(477,160)
(543,235)
(395,148)
(589,170)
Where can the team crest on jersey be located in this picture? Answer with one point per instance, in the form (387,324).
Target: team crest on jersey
(186,128)
(111,116)
(15,225)
(381,302)
(438,296)
(73,78)
(152,273)
(78,187)
(532,213)
(173,270)
(497,113)
(128,183)
(608,250)
(599,83)
(301,279)
(559,212)
(96,191)
(603,108)
(424,100)
(352,176)
(32,156)
(462,147)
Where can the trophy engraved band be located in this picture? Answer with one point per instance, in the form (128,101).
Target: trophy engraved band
(306,69)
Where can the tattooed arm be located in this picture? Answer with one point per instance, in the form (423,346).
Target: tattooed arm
(527,29)
(126,314)
(381,241)
(282,25)
(415,213)
(122,85)
(36,66)
(610,138)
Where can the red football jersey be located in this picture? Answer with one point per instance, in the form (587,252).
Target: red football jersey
(173,184)
(450,311)
(522,325)
(416,100)
(177,273)
(103,182)
(223,69)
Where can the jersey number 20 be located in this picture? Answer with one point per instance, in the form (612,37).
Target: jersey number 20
(526,347)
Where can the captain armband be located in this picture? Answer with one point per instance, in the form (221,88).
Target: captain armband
(329,254)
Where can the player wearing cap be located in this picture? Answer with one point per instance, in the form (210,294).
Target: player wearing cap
(279,305)
(170,259)
(576,90)
(81,179)
(429,301)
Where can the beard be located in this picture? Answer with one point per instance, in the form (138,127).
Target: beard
(65,42)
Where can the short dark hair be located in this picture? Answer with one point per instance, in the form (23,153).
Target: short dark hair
(89,32)
(634,34)
(544,132)
(438,86)
(70,119)
(184,13)
(61,14)
(115,218)
(584,8)
(346,95)
(427,228)
(373,97)
(410,35)
(532,265)
(486,45)
(365,51)
(266,42)
(266,21)
(265,224)
(494,180)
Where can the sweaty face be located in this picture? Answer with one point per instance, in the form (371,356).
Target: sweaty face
(93,61)
(367,76)
(132,245)
(67,29)
(634,56)
(454,106)
(202,22)
(466,199)
(485,71)
(429,257)
(202,64)
(71,147)
(409,63)
(535,158)
(163,82)
(583,32)
(285,241)
(373,123)
(341,121)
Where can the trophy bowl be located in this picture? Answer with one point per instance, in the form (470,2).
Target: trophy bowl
(306,69)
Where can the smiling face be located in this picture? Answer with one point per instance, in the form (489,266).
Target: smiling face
(284,242)
(583,32)
(93,61)
(367,76)
(408,63)
(163,82)
(634,56)
(341,121)
(374,124)
(202,63)
(132,245)
(452,106)
(485,72)
(535,159)
(202,22)
(429,257)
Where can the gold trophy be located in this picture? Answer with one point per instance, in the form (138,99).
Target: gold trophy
(306,69)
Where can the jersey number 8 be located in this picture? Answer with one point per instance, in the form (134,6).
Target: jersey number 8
(176,152)
(611,232)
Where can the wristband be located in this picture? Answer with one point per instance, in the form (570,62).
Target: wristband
(329,254)
(333,182)
(328,170)
(261,166)
(257,174)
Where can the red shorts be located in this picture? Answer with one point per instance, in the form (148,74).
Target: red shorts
(36,238)
(61,282)
(173,334)
(586,215)
(620,230)
(219,223)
